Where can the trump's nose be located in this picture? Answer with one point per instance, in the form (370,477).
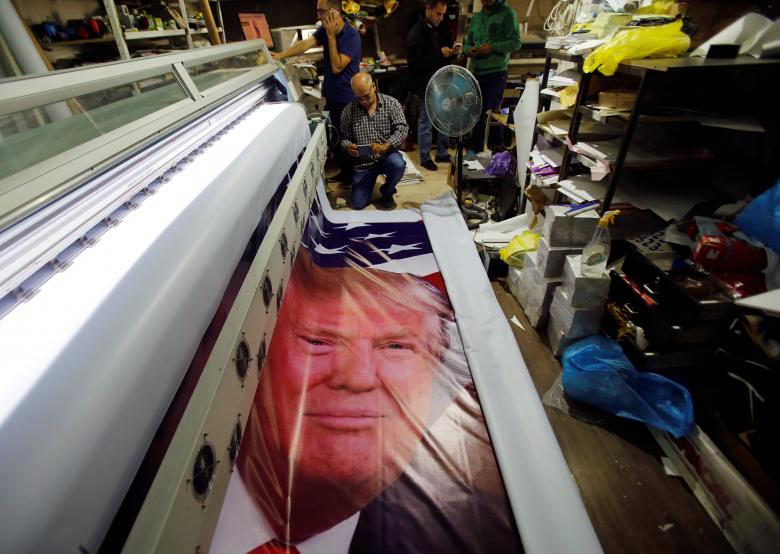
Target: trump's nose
(353,368)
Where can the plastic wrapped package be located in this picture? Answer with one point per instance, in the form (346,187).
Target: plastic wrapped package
(561,230)
(536,315)
(583,292)
(529,262)
(539,289)
(559,342)
(574,322)
(663,41)
(516,286)
(550,259)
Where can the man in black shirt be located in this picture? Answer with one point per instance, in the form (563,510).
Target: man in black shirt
(429,49)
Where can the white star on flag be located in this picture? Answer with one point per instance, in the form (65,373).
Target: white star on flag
(377,236)
(400,248)
(322,250)
(353,225)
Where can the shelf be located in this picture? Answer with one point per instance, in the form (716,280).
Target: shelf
(526,61)
(502,119)
(562,55)
(546,133)
(652,151)
(580,188)
(676,65)
(204,31)
(80,42)
(688,63)
(147,35)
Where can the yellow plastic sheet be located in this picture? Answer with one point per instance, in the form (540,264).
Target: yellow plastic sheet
(660,7)
(568,96)
(514,253)
(664,41)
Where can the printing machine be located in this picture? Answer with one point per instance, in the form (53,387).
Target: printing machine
(150,213)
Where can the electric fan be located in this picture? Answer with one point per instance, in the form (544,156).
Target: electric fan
(454,104)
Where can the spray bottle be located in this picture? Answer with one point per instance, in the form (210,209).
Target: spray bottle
(596,252)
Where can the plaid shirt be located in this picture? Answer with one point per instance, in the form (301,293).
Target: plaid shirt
(387,125)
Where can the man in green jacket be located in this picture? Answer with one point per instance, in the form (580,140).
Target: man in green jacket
(493,35)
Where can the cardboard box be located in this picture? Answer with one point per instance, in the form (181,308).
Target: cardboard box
(516,286)
(575,323)
(550,259)
(559,342)
(582,291)
(562,230)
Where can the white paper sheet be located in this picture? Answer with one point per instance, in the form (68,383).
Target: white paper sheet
(745,31)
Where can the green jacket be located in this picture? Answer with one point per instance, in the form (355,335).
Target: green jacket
(497,27)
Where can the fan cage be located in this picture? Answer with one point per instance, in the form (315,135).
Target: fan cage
(453,100)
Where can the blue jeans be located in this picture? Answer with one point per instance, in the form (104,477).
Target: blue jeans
(424,138)
(391,166)
(492,87)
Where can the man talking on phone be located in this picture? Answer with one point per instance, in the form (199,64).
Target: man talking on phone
(373,128)
(429,49)
(341,58)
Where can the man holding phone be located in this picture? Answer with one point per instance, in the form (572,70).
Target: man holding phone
(373,128)
(341,59)
(429,49)
(493,35)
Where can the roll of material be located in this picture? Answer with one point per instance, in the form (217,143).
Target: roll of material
(542,493)
(94,358)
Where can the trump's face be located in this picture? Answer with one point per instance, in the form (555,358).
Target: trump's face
(346,386)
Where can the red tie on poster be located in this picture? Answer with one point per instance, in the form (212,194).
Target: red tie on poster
(274,547)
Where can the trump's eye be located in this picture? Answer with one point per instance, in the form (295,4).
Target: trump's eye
(399,346)
(315,345)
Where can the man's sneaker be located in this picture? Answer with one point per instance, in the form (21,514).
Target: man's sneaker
(430,165)
(386,203)
(443,159)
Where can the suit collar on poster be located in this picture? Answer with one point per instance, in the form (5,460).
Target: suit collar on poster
(242,527)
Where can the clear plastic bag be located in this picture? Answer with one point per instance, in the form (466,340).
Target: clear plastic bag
(596,372)
(663,41)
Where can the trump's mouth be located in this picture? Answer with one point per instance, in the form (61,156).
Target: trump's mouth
(345,420)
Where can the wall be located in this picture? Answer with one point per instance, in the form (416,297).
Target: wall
(710,16)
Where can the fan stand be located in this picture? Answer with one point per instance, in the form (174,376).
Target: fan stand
(459,171)
(468,212)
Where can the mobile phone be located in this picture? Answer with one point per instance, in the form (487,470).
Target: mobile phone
(364,150)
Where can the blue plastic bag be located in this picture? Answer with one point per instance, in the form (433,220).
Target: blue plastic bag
(761,218)
(596,372)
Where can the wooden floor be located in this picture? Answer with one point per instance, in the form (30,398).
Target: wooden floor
(634,505)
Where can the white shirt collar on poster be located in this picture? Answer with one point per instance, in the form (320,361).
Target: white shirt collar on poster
(242,527)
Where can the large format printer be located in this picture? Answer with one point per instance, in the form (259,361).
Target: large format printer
(150,213)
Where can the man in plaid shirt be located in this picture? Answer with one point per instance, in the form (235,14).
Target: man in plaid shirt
(376,121)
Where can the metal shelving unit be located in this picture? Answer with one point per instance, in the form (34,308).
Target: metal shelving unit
(651,73)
